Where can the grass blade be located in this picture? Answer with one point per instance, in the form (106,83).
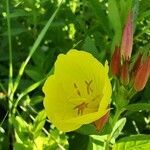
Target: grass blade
(10,85)
(33,49)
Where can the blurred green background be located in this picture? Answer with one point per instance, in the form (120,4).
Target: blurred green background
(91,25)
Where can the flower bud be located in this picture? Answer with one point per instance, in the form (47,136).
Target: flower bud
(125,73)
(137,65)
(142,75)
(115,62)
(99,124)
(127,38)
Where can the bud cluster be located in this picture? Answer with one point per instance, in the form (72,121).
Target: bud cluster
(121,64)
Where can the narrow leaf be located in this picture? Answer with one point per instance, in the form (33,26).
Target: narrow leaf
(34,48)
(138,107)
(39,123)
(138,142)
(118,128)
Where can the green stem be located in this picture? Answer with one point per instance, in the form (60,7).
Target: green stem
(10,86)
(115,119)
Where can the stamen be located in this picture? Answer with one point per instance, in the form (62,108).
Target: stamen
(77,89)
(81,108)
(89,89)
(75,86)
(78,92)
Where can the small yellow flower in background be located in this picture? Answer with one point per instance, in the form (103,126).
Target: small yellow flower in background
(78,92)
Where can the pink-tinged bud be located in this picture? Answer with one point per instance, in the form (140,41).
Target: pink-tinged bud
(124,75)
(115,62)
(127,38)
(99,124)
(142,75)
(137,65)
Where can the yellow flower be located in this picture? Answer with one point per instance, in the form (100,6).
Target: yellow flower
(78,92)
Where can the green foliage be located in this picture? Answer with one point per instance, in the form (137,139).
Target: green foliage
(115,20)
(32,34)
(91,130)
(96,142)
(89,45)
(39,123)
(135,142)
(117,128)
(138,107)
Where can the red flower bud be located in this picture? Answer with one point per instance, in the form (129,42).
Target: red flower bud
(99,124)
(137,65)
(142,75)
(125,73)
(115,62)
(127,38)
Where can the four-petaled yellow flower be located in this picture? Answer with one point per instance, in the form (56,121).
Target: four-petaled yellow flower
(78,92)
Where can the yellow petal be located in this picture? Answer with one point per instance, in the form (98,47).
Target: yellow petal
(79,91)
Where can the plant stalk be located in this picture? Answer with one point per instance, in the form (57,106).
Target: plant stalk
(10,84)
(115,119)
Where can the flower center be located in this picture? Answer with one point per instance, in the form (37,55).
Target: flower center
(86,100)
(81,108)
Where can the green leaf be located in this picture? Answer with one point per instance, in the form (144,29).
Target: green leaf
(115,21)
(19,13)
(144,15)
(20,146)
(59,138)
(34,74)
(125,7)
(36,100)
(100,13)
(89,46)
(21,130)
(138,107)
(136,142)
(97,142)
(29,89)
(15,31)
(114,17)
(90,129)
(135,10)
(39,123)
(144,5)
(34,48)
(87,129)
(118,128)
